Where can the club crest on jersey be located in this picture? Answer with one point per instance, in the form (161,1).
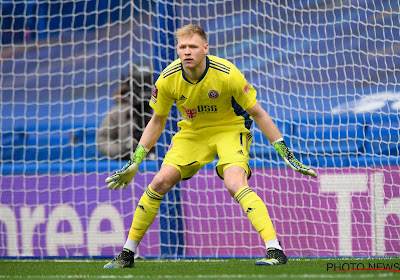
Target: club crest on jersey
(190,113)
(213,94)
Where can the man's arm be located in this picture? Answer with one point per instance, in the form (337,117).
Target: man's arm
(265,123)
(271,131)
(153,131)
(150,136)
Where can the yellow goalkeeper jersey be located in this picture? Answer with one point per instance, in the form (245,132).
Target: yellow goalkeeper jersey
(219,98)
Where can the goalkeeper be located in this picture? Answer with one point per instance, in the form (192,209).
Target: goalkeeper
(218,106)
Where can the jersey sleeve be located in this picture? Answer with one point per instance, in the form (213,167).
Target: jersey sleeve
(161,98)
(243,92)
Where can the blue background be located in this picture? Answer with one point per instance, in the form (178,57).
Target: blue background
(315,66)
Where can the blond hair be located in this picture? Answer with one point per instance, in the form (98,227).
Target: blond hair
(189,30)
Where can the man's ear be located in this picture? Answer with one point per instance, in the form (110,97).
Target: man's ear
(206,48)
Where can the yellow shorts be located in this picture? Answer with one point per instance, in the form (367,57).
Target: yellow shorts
(192,149)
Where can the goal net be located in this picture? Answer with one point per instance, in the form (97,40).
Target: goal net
(75,81)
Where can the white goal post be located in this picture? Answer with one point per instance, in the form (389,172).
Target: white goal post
(327,72)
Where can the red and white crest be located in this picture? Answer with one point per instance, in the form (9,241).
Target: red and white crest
(190,113)
(213,94)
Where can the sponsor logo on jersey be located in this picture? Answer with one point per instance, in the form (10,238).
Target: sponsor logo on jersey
(190,113)
(182,97)
(141,207)
(240,152)
(201,109)
(152,99)
(213,94)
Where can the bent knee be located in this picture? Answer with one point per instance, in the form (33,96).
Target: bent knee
(161,185)
(165,179)
(234,187)
(235,178)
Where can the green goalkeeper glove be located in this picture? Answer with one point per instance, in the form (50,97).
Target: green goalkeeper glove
(125,175)
(290,159)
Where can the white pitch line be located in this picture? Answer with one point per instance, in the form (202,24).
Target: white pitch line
(205,276)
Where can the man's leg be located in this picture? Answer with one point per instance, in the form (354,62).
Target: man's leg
(235,179)
(145,213)
(148,205)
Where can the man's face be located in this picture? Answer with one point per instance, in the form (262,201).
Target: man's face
(192,50)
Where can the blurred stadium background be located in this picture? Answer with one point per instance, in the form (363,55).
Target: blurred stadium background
(326,71)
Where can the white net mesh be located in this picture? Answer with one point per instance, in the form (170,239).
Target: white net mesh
(327,72)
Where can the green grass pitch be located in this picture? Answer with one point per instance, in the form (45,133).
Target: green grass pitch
(297,268)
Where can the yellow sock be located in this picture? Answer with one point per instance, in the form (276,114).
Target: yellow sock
(257,212)
(145,213)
